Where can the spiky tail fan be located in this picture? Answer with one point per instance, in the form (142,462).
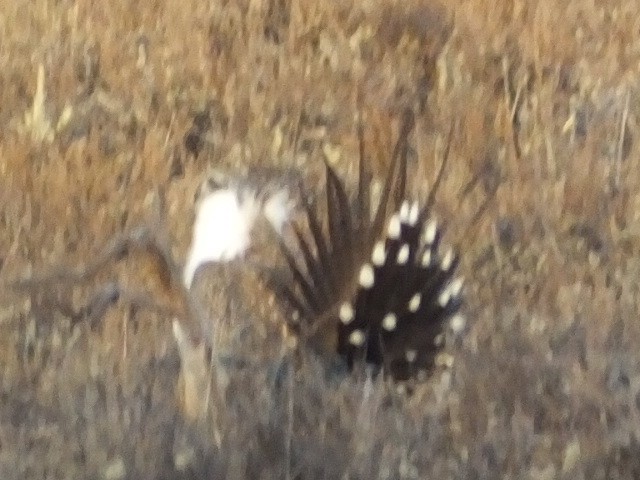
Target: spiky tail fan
(368,292)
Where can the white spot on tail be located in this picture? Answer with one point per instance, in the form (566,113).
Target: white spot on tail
(389,322)
(346,313)
(456,287)
(393,230)
(429,234)
(366,277)
(413,214)
(447,260)
(444,297)
(357,338)
(458,322)
(452,290)
(404,212)
(403,254)
(379,255)
(414,303)
(426,258)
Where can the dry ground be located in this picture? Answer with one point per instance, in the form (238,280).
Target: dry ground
(106,104)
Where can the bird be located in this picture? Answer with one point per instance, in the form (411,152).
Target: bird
(359,278)
(371,282)
(237,217)
(365,279)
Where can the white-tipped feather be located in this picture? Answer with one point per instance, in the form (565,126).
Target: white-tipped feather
(404,212)
(393,230)
(413,214)
(458,322)
(379,255)
(366,277)
(447,260)
(346,313)
(456,287)
(403,254)
(389,322)
(426,258)
(430,231)
(414,303)
(452,290)
(357,338)
(444,297)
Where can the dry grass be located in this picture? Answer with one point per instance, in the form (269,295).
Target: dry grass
(98,101)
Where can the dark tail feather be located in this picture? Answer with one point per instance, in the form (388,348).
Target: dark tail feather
(307,289)
(397,173)
(339,213)
(313,266)
(363,200)
(324,256)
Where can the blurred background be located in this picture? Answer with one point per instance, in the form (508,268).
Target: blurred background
(106,105)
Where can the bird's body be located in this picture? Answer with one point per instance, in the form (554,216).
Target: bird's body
(361,279)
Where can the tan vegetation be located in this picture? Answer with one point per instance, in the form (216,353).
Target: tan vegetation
(108,106)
